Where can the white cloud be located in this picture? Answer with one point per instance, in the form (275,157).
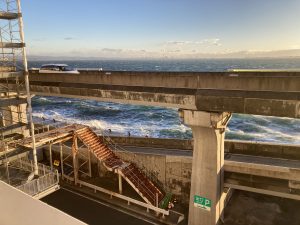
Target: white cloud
(69,38)
(111,50)
(178,42)
(211,41)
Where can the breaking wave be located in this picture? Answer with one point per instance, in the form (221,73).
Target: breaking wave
(160,122)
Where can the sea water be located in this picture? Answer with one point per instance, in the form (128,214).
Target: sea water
(164,122)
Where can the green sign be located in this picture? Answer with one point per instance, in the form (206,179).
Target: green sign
(202,203)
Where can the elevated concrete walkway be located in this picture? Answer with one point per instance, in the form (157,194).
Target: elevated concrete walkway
(271,93)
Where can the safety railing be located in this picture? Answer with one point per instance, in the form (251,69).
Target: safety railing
(118,149)
(125,198)
(47,178)
(150,195)
(54,123)
(40,184)
(27,165)
(46,124)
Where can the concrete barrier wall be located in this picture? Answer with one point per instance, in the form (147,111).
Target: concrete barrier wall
(263,149)
(234,146)
(175,171)
(19,208)
(184,144)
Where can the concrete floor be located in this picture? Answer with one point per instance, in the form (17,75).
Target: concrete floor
(16,176)
(89,211)
(247,208)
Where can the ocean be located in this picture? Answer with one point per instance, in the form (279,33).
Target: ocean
(164,122)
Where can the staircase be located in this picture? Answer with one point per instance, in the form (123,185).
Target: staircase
(129,171)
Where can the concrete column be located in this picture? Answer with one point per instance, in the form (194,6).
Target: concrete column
(120,184)
(206,196)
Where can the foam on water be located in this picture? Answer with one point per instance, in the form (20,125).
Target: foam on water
(163,122)
(160,122)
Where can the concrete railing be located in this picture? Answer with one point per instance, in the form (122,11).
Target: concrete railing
(125,198)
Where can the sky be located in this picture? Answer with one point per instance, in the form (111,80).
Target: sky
(161,28)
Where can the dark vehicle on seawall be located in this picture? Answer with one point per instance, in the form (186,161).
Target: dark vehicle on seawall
(57,68)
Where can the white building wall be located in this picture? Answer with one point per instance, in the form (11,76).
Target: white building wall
(18,208)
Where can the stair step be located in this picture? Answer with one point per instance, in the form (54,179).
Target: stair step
(93,144)
(108,156)
(147,189)
(90,138)
(86,135)
(82,132)
(102,156)
(101,150)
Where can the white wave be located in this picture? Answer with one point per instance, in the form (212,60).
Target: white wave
(279,134)
(39,114)
(44,99)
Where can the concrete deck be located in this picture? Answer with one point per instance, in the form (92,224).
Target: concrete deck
(272,93)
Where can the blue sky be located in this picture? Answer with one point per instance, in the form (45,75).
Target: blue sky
(158,28)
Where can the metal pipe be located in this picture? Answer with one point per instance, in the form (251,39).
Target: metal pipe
(7,163)
(29,109)
(61,160)
(50,157)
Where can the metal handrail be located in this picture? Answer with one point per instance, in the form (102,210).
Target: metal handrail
(40,184)
(138,179)
(128,199)
(27,165)
(47,177)
(118,148)
(114,147)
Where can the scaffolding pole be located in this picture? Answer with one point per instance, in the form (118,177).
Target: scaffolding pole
(26,74)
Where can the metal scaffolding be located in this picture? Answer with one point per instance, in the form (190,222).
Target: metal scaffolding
(15,123)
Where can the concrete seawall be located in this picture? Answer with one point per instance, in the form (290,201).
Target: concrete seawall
(175,171)
(232,146)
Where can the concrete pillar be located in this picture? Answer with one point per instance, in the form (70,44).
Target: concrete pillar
(206,196)
(120,184)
